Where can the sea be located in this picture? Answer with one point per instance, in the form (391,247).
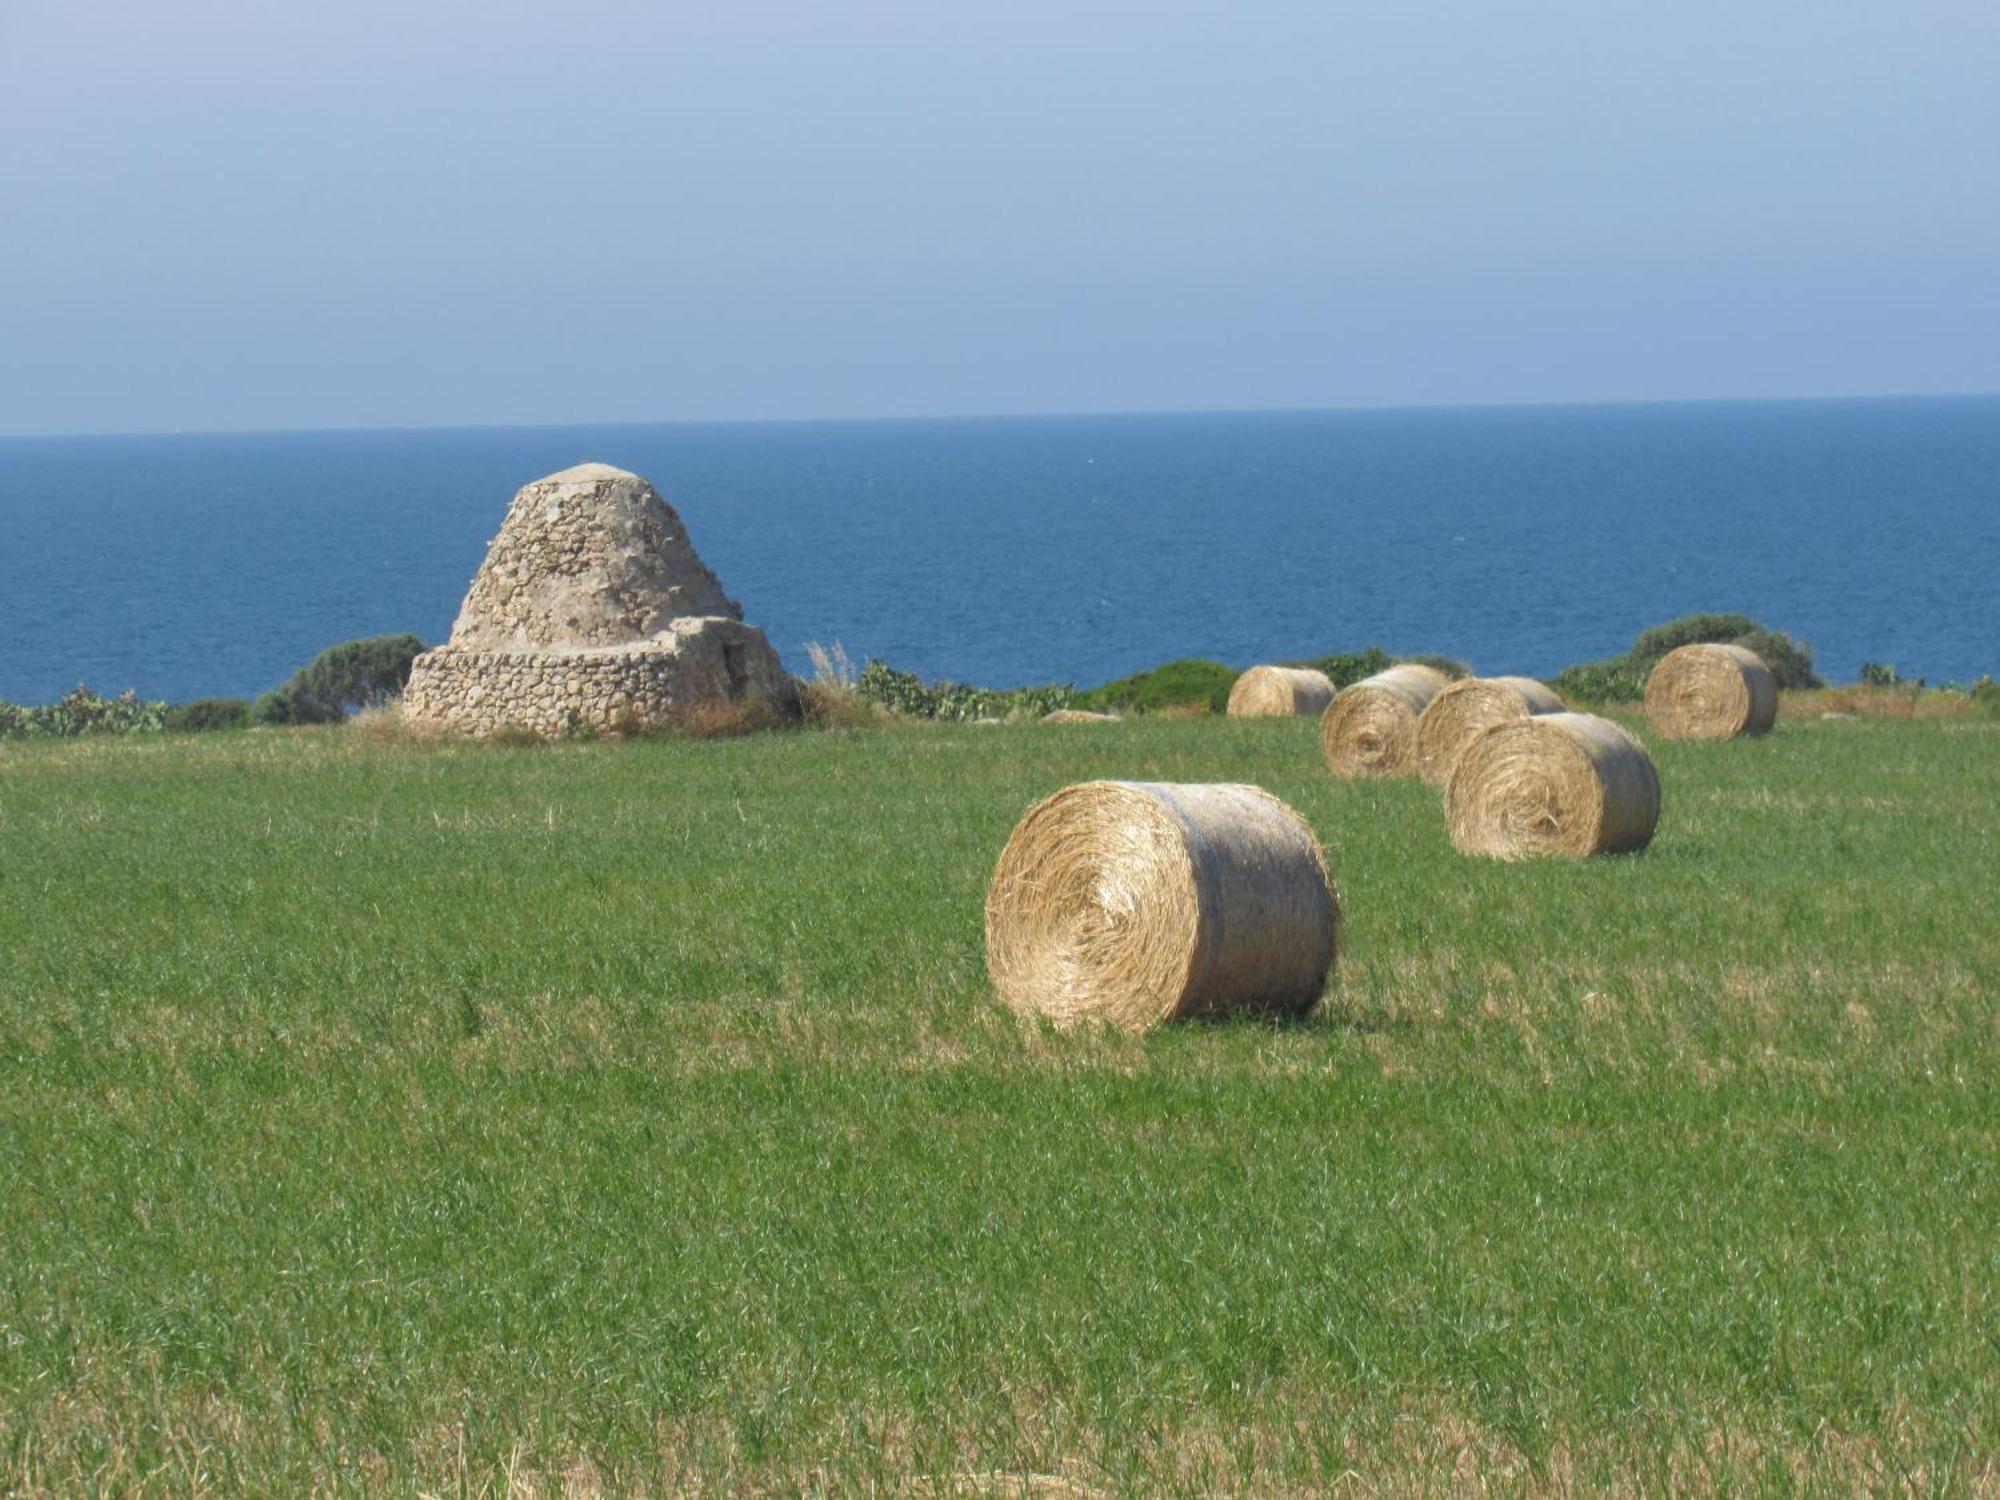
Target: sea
(1004,551)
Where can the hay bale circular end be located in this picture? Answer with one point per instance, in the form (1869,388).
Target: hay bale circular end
(1559,783)
(1139,902)
(1371,728)
(1462,710)
(1271,692)
(1707,692)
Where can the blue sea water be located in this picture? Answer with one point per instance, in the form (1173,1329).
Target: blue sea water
(1075,549)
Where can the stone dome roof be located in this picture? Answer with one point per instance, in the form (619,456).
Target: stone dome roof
(587,558)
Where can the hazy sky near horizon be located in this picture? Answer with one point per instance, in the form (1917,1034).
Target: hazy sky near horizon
(224,214)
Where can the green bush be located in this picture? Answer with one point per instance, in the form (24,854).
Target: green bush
(1187,684)
(1622,679)
(81,712)
(1690,630)
(1347,668)
(1986,695)
(907,693)
(1790,661)
(206,714)
(1619,680)
(341,679)
(1197,683)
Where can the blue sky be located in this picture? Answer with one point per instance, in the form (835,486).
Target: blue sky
(222,214)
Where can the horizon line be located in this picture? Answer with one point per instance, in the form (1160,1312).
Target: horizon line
(1384,408)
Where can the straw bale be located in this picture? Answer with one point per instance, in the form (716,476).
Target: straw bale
(1553,784)
(1272,692)
(1711,693)
(1140,902)
(1371,729)
(1463,709)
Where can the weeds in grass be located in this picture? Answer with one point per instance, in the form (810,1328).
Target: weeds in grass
(384,724)
(514,737)
(831,700)
(832,667)
(723,719)
(823,706)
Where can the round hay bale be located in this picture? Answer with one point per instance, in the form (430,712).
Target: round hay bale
(1463,709)
(1140,902)
(1371,729)
(1077,716)
(1711,693)
(1552,784)
(1269,692)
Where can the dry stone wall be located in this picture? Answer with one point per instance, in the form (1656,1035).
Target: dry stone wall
(592,556)
(592,611)
(553,693)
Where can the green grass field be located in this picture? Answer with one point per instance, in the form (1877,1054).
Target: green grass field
(636,1118)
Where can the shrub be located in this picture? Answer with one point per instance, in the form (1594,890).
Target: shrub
(1879,674)
(1180,685)
(1691,630)
(340,680)
(81,712)
(1191,685)
(1347,668)
(1790,661)
(1986,695)
(907,693)
(1622,679)
(1619,680)
(207,714)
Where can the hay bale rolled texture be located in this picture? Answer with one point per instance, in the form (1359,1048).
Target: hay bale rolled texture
(1552,784)
(1711,693)
(1268,692)
(1463,709)
(1371,729)
(1140,902)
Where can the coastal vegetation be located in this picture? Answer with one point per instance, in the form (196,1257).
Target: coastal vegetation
(81,712)
(955,702)
(1622,679)
(1189,686)
(206,715)
(368,673)
(342,680)
(391,1115)
(1202,686)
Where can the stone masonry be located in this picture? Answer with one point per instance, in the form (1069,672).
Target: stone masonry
(592,611)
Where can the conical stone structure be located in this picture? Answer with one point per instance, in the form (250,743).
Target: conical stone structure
(592,611)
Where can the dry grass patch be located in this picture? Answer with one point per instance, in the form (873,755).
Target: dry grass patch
(1876,703)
